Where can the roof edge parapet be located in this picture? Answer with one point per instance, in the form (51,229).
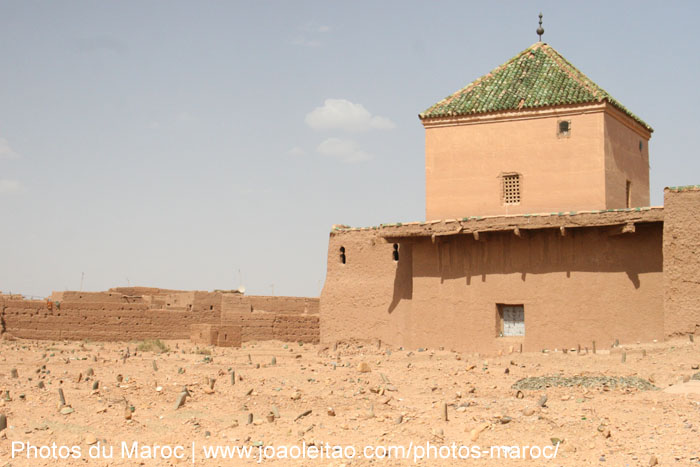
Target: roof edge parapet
(683,188)
(567,219)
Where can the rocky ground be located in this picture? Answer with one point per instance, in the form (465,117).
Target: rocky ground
(622,406)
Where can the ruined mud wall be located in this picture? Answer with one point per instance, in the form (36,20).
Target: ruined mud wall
(270,304)
(682,260)
(113,316)
(221,336)
(89,318)
(592,283)
(281,318)
(95,297)
(261,326)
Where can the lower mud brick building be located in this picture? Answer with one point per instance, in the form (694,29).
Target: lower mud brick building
(552,280)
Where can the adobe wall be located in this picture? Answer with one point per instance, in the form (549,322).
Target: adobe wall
(284,305)
(584,286)
(143,290)
(105,321)
(297,328)
(465,158)
(626,158)
(464,161)
(261,326)
(270,304)
(113,316)
(222,336)
(94,297)
(682,260)
(235,303)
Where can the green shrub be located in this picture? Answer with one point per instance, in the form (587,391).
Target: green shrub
(152,345)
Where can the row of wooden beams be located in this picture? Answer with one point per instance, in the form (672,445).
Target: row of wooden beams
(620,229)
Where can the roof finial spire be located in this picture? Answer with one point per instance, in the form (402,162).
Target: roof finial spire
(540,30)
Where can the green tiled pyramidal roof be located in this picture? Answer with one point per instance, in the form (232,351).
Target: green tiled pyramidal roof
(537,77)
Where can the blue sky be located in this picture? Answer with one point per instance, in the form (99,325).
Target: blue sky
(203,145)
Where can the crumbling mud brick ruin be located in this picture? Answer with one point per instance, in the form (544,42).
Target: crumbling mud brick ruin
(136,313)
(539,235)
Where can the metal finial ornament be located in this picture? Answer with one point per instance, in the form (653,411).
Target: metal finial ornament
(540,30)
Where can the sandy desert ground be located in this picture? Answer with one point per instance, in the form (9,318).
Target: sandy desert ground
(319,398)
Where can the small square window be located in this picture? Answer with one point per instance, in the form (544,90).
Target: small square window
(511,189)
(512,320)
(564,128)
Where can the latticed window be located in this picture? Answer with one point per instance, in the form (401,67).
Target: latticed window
(511,189)
(512,320)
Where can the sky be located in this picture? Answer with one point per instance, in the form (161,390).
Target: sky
(208,145)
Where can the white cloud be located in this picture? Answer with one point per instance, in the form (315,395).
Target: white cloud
(6,152)
(296,151)
(302,41)
(341,114)
(309,35)
(10,186)
(343,150)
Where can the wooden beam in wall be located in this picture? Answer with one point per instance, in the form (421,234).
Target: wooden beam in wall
(520,233)
(438,235)
(622,229)
(479,236)
(448,233)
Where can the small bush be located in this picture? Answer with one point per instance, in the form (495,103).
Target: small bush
(152,345)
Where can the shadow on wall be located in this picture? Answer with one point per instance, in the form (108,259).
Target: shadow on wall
(545,251)
(403,279)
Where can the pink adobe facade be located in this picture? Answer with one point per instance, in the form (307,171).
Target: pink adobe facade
(588,168)
(581,277)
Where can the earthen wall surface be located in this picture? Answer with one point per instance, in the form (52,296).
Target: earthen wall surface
(203,334)
(586,169)
(682,260)
(284,305)
(214,334)
(626,159)
(113,316)
(97,321)
(588,284)
(229,336)
(464,164)
(296,328)
(259,325)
